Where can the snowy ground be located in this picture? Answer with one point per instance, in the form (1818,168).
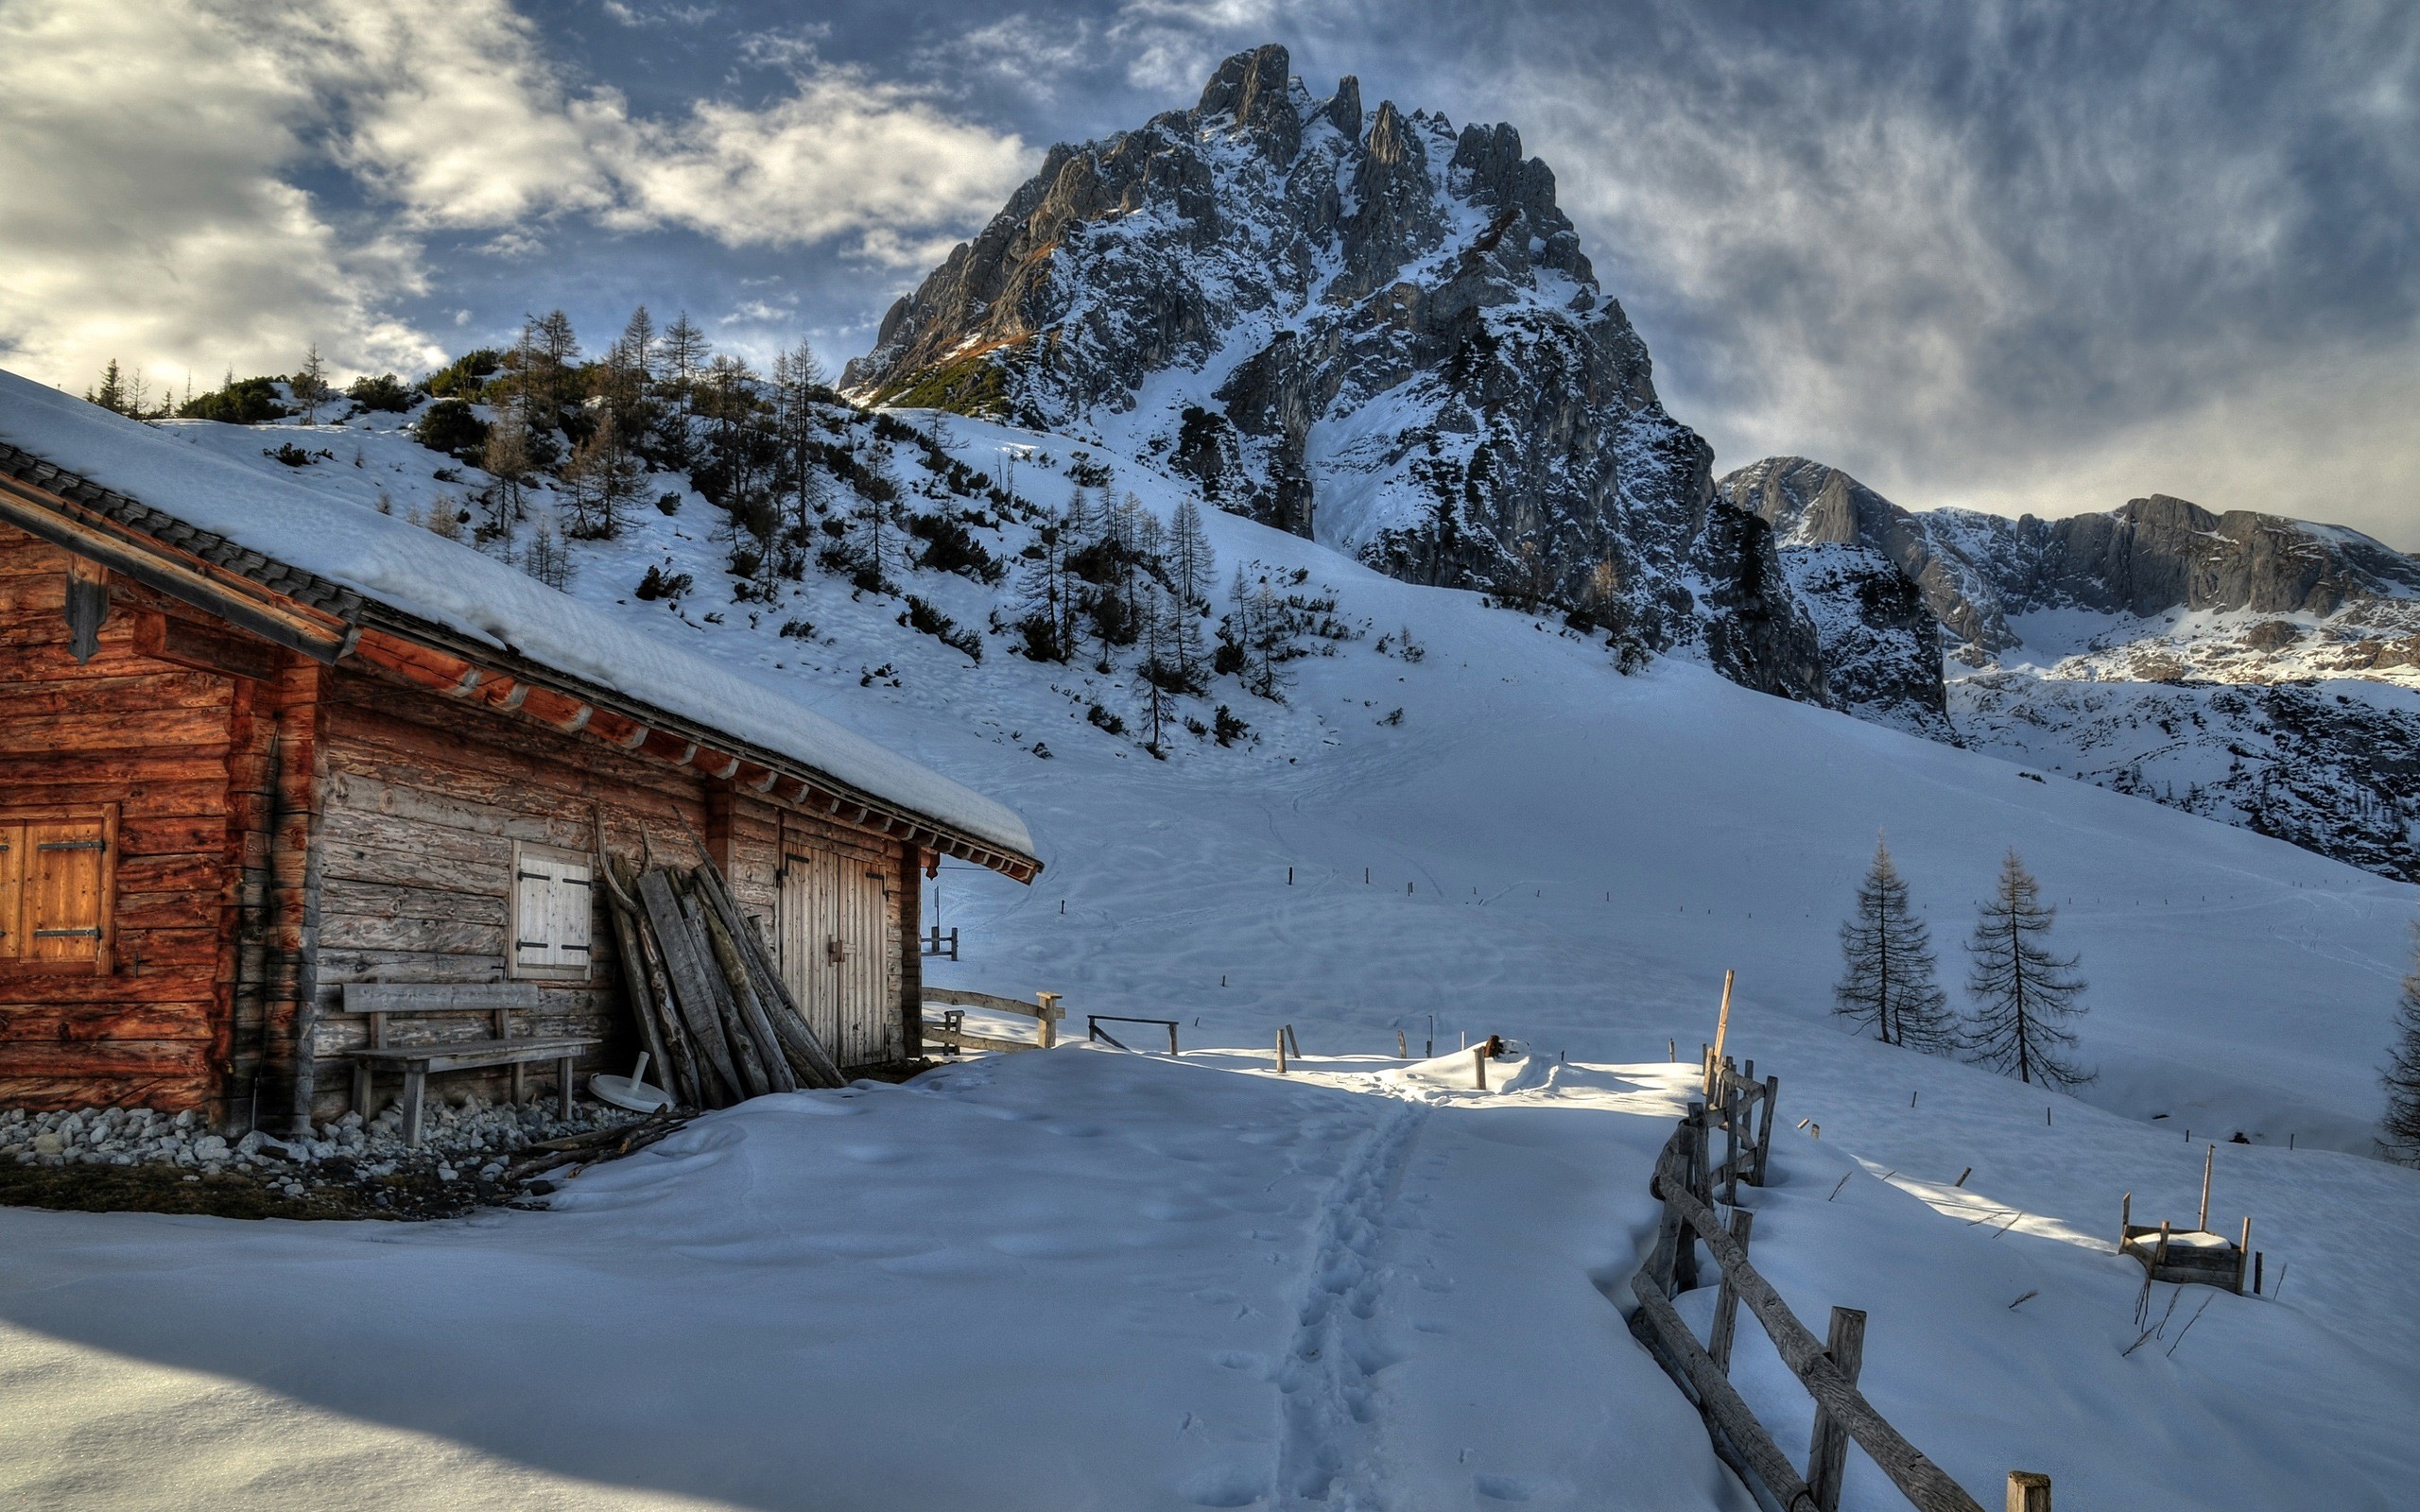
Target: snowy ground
(1082,1278)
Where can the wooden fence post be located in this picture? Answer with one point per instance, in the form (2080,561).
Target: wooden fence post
(1726,1302)
(1403,1046)
(1765,1127)
(1478,1064)
(2028,1491)
(1828,1458)
(1722,1031)
(2210,1158)
(1693,1175)
(1050,1003)
(1294,1042)
(1280,1051)
(1735,1109)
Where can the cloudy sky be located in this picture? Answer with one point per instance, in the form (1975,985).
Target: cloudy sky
(2012,255)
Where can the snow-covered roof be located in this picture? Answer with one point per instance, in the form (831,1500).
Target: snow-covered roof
(421,575)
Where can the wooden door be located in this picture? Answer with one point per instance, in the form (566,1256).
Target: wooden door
(835,956)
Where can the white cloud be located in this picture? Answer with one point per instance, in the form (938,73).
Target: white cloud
(841,156)
(146,217)
(152,153)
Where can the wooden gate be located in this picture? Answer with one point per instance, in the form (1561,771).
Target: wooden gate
(833,959)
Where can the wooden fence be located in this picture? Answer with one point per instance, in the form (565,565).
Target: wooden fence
(1686,1178)
(1044,1008)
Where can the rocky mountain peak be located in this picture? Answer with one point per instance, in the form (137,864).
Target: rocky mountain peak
(1364,327)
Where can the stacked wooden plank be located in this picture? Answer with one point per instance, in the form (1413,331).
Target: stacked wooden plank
(707,994)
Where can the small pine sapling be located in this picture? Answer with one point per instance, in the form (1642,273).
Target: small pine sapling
(2024,996)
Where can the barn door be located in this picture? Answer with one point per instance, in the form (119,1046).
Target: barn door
(834,958)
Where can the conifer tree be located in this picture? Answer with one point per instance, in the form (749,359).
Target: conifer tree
(638,345)
(2024,996)
(684,351)
(2403,1078)
(507,457)
(603,479)
(1045,594)
(1192,565)
(1156,679)
(797,379)
(1889,982)
(112,394)
(310,385)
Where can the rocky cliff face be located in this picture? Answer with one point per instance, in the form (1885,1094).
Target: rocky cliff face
(2150,557)
(1363,326)
(2242,666)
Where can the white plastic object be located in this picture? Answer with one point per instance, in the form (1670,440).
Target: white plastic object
(630,1091)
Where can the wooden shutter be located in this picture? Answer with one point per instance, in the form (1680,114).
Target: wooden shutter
(63,898)
(573,909)
(551,913)
(533,901)
(12,873)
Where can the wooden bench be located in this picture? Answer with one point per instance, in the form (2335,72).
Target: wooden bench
(377,1001)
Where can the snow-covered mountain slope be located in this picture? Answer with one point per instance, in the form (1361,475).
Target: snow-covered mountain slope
(1360,326)
(1663,824)
(2251,669)
(1080,1279)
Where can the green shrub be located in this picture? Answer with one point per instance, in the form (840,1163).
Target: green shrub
(385,392)
(466,375)
(451,426)
(245,402)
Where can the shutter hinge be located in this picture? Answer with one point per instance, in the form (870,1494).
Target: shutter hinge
(71,844)
(94,933)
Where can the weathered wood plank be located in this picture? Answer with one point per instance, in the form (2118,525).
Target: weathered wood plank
(1721,1402)
(956,998)
(1923,1481)
(678,948)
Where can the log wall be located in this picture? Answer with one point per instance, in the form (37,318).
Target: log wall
(164,743)
(287,828)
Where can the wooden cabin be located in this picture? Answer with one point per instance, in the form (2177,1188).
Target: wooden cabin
(257,743)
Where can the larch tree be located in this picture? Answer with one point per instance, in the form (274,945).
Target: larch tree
(2402,1078)
(1192,565)
(685,349)
(2024,997)
(508,457)
(310,385)
(1889,981)
(638,345)
(1156,678)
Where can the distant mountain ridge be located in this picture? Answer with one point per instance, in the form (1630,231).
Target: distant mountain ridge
(2189,657)
(1361,326)
(2146,558)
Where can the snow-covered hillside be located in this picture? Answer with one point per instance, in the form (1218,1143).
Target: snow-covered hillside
(1669,824)
(1088,1279)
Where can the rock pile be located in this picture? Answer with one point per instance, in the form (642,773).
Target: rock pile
(471,1142)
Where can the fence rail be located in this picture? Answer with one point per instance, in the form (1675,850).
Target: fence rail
(952,1030)
(1686,1180)
(1092,1029)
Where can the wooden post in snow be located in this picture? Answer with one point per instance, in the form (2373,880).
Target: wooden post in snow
(2028,1491)
(1478,1064)
(1722,1028)
(1049,1005)
(2210,1158)
(1726,1302)
(1765,1127)
(1280,1051)
(1827,1459)
(1403,1046)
